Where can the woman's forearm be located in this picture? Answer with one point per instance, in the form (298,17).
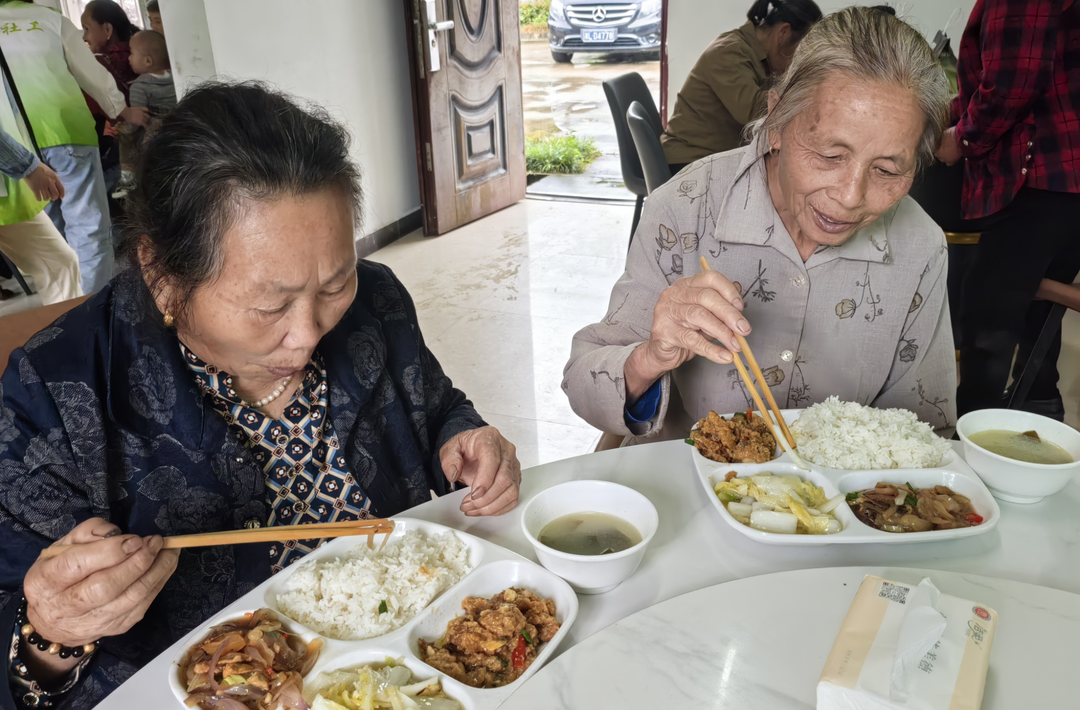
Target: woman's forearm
(640,374)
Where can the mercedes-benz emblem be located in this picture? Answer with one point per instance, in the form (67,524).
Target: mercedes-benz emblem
(599,14)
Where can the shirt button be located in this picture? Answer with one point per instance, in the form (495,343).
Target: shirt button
(239,459)
(1023,171)
(787,355)
(252,524)
(798,281)
(1028,156)
(283,440)
(1030,144)
(966,143)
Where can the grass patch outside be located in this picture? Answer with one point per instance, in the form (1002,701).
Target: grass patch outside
(547,154)
(535,12)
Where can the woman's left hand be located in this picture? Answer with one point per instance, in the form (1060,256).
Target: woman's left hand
(486,462)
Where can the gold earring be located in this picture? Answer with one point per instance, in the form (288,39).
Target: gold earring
(168,320)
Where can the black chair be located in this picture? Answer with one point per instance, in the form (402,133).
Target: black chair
(621,92)
(650,152)
(8,270)
(1063,297)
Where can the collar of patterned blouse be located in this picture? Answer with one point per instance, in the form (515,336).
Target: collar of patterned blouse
(747,216)
(219,383)
(153,393)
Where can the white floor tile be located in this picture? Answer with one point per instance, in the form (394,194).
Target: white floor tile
(437,318)
(540,442)
(510,364)
(568,286)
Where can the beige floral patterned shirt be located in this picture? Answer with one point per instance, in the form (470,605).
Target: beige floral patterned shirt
(867,320)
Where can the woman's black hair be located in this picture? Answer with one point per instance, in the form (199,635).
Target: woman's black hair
(107,11)
(223,145)
(887,9)
(800,14)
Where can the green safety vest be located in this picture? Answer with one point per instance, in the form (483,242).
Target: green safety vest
(30,36)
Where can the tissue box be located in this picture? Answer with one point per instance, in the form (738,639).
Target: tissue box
(908,647)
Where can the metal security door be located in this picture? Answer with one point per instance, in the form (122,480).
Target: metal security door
(466,77)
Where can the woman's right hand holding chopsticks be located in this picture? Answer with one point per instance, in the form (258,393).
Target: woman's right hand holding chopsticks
(100,586)
(690,315)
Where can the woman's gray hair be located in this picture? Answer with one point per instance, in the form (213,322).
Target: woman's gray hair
(867,44)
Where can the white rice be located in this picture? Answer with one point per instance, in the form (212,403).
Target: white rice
(340,597)
(847,435)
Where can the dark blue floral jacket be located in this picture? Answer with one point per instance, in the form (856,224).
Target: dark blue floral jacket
(99,416)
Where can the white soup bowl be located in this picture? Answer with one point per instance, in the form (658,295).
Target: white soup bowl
(1018,481)
(590,574)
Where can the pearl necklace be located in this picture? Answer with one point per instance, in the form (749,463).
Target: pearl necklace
(278,391)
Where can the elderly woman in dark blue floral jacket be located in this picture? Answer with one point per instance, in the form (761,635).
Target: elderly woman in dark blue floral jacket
(245,371)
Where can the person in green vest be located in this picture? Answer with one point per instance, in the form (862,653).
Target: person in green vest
(51,66)
(33,244)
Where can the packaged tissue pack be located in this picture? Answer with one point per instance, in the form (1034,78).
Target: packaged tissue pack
(906,646)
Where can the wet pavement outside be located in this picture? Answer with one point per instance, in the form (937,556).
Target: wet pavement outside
(569,98)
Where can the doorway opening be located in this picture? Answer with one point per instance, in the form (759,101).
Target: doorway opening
(568,48)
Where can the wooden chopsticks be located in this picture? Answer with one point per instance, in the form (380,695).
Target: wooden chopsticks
(745,348)
(282,533)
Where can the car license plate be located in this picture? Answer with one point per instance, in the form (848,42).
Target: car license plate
(598,36)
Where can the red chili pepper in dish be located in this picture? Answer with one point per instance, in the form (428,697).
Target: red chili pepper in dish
(518,656)
(974,518)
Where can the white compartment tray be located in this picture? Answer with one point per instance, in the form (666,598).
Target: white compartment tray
(494,569)
(953,472)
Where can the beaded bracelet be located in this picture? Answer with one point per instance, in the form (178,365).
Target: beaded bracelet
(26,630)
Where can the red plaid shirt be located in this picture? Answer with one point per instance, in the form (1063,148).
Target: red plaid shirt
(1017,112)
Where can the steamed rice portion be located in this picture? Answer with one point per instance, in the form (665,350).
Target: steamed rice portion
(847,435)
(341,597)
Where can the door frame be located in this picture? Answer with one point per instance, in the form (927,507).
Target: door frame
(415,38)
(418,87)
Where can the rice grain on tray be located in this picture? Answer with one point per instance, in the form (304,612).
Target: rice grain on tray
(847,435)
(345,597)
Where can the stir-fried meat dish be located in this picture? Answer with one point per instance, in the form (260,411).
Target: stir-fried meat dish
(904,508)
(495,641)
(249,663)
(745,438)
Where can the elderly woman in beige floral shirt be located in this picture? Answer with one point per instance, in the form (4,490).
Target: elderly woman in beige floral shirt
(812,241)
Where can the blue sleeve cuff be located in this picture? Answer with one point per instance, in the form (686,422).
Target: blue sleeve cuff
(644,409)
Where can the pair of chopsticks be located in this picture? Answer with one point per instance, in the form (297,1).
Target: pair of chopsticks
(782,433)
(283,533)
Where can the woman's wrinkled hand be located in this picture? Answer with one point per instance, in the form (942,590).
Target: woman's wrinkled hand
(949,150)
(486,462)
(690,314)
(135,115)
(99,587)
(45,184)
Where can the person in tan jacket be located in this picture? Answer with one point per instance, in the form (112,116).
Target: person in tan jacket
(727,88)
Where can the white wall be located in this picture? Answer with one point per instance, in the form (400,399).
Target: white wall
(693,24)
(348,56)
(188,36)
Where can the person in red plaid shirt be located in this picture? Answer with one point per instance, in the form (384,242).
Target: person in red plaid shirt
(1017,129)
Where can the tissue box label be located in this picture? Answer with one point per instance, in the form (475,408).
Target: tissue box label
(860,630)
(950,676)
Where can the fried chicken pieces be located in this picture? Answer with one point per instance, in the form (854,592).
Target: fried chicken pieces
(495,641)
(745,438)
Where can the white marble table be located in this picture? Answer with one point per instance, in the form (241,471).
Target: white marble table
(693,548)
(761,643)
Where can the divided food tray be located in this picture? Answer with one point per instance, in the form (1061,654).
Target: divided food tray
(953,472)
(494,569)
